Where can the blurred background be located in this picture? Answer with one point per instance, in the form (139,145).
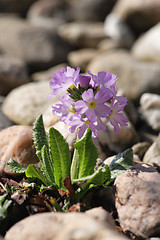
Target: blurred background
(39,37)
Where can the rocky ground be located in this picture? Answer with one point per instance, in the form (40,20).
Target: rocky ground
(40,37)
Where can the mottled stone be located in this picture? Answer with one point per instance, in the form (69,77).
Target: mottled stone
(140,148)
(75,226)
(150,109)
(138,200)
(152,156)
(16,142)
(25,103)
(82,34)
(147,46)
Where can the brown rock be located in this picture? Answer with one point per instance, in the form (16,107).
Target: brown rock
(16,142)
(138,200)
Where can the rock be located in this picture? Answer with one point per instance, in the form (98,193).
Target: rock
(4,121)
(16,6)
(13,73)
(75,226)
(47,75)
(152,156)
(138,199)
(44,47)
(140,15)
(82,34)
(54,13)
(129,71)
(80,58)
(147,46)
(150,109)
(91,10)
(16,142)
(140,148)
(118,30)
(107,44)
(23,104)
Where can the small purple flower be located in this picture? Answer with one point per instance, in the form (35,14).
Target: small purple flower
(93,106)
(82,124)
(103,79)
(63,79)
(65,110)
(116,117)
(84,81)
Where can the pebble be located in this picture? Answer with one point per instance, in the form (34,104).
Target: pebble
(17,142)
(138,200)
(75,226)
(150,109)
(152,155)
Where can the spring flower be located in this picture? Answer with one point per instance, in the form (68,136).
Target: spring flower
(84,81)
(103,79)
(82,124)
(116,117)
(94,106)
(65,110)
(63,79)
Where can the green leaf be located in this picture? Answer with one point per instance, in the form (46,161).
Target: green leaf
(48,167)
(99,177)
(59,151)
(16,167)
(34,172)
(121,163)
(87,155)
(75,165)
(4,204)
(39,136)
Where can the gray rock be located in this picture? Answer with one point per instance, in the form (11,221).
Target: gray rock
(117,29)
(147,46)
(142,76)
(140,15)
(23,104)
(138,199)
(15,6)
(150,109)
(80,58)
(17,142)
(82,34)
(38,47)
(49,14)
(4,121)
(75,226)
(140,148)
(91,10)
(152,156)
(13,73)
(47,75)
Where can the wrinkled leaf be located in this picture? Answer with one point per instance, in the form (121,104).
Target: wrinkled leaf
(4,204)
(16,167)
(59,151)
(34,172)
(87,155)
(121,163)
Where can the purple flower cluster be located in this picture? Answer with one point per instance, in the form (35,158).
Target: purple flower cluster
(87,100)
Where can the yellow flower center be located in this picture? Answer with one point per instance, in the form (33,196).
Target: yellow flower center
(87,122)
(72,86)
(111,114)
(72,110)
(92,104)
